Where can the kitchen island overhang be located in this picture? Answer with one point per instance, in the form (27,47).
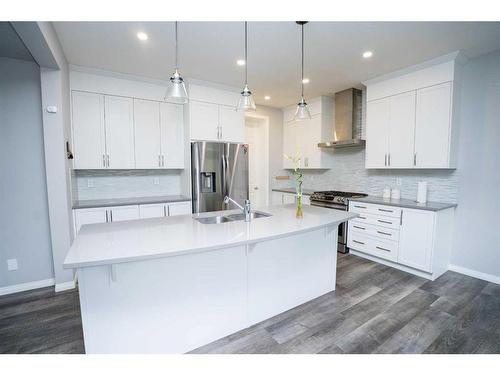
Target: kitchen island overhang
(170,285)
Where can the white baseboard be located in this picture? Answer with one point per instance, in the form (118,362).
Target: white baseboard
(66,285)
(477,274)
(26,286)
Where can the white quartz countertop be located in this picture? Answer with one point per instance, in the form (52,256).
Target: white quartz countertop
(134,240)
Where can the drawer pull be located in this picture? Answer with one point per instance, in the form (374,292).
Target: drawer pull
(385,210)
(387,234)
(362,243)
(360,206)
(355,226)
(385,222)
(381,248)
(362,217)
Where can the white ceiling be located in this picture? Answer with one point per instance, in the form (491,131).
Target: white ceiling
(209,50)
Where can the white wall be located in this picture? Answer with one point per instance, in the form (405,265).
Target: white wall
(24,214)
(477,227)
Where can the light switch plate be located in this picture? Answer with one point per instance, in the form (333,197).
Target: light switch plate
(12,264)
(399,181)
(156,181)
(90,182)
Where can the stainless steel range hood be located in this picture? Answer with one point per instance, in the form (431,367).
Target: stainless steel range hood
(347,120)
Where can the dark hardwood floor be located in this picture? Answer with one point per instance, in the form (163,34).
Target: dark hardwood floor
(375,309)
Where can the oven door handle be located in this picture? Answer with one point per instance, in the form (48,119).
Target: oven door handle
(333,206)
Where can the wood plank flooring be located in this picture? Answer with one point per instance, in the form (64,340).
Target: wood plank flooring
(375,309)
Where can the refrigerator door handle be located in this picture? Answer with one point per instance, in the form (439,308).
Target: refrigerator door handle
(223,179)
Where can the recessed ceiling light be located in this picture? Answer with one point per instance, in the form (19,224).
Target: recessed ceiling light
(142,36)
(267,97)
(367,54)
(240,62)
(305,80)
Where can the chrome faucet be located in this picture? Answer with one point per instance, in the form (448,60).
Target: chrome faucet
(246,209)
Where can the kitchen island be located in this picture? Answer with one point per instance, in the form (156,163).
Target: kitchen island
(170,285)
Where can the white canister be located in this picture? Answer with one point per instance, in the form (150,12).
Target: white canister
(395,194)
(386,193)
(422,192)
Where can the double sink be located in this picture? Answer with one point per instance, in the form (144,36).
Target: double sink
(219,219)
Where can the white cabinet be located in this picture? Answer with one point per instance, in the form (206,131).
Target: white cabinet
(412,118)
(103,131)
(89,143)
(119,125)
(172,135)
(433,126)
(104,215)
(301,138)
(414,240)
(390,131)
(84,216)
(165,209)
(214,122)
(147,134)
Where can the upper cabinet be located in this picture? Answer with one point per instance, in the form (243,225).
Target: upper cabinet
(103,131)
(411,117)
(114,132)
(213,115)
(301,138)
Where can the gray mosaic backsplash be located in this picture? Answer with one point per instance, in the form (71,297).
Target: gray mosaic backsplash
(348,173)
(124,183)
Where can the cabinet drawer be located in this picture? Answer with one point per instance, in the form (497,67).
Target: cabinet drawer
(374,209)
(382,221)
(379,248)
(374,231)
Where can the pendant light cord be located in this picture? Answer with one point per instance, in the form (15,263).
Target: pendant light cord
(176,49)
(246,53)
(302,70)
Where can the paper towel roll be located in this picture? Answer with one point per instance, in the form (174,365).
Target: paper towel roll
(422,192)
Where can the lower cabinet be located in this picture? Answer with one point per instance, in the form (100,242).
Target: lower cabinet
(164,209)
(104,215)
(417,241)
(121,213)
(278,197)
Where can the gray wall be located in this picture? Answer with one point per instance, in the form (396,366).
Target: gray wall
(24,221)
(477,226)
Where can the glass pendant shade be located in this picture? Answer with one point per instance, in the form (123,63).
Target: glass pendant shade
(302,112)
(176,92)
(246,102)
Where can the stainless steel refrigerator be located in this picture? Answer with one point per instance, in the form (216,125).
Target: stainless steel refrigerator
(218,169)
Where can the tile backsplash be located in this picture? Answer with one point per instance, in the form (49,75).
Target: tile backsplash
(105,184)
(348,173)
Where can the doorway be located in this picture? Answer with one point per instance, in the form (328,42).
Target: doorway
(257,137)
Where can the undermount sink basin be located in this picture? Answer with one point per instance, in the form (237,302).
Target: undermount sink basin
(228,218)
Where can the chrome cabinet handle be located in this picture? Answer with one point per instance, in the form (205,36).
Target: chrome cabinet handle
(107,221)
(164,210)
(359,206)
(362,243)
(163,160)
(104,160)
(385,210)
(389,159)
(355,226)
(362,217)
(159,160)
(382,248)
(111,215)
(385,222)
(384,233)
(414,159)
(401,218)
(385,160)
(107,160)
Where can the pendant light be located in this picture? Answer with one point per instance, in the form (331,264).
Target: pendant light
(302,112)
(246,102)
(176,92)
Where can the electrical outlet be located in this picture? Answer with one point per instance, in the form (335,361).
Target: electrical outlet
(90,182)
(156,181)
(12,264)
(399,181)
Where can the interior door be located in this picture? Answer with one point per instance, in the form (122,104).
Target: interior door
(257,161)
(204,120)
(89,144)
(172,135)
(377,133)
(432,133)
(147,134)
(232,123)
(119,120)
(402,130)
